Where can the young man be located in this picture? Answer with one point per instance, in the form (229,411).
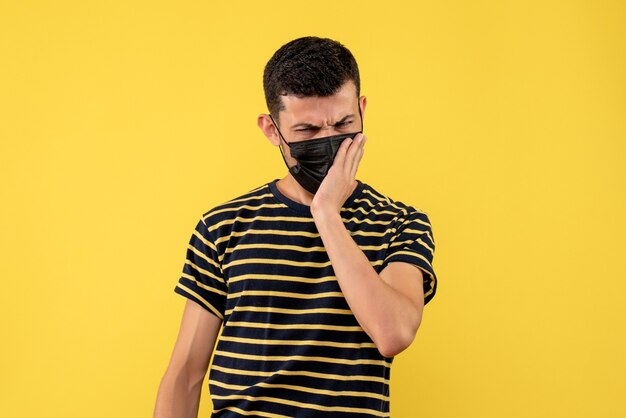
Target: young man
(316,280)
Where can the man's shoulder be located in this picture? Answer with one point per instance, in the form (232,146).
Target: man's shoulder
(253,199)
(381,201)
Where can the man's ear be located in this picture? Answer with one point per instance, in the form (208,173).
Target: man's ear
(269,130)
(363,104)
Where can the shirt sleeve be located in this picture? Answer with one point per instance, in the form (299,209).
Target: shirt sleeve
(202,279)
(413,243)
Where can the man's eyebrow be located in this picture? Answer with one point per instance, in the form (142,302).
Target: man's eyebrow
(345,118)
(305,125)
(312,126)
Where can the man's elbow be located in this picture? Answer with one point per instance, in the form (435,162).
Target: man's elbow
(390,344)
(190,379)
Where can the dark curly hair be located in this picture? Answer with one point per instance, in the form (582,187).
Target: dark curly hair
(306,67)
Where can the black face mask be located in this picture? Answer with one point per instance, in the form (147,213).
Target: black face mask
(314,157)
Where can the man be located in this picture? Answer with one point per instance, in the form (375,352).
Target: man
(316,280)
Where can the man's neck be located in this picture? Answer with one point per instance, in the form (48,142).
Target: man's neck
(289,187)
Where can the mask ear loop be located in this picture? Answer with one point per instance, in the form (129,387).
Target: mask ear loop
(282,154)
(361,117)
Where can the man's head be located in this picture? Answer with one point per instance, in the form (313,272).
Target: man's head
(308,67)
(313,82)
(312,89)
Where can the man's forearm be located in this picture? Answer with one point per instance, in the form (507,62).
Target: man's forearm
(177,398)
(385,314)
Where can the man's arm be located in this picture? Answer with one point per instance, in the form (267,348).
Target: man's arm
(388,306)
(180,388)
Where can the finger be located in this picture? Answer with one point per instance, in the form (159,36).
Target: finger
(357,161)
(355,154)
(341,152)
(351,153)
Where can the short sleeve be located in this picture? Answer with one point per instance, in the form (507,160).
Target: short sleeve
(413,243)
(202,279)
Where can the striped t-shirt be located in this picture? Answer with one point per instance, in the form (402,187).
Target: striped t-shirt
(290,345)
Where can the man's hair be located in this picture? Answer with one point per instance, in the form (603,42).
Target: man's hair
(307,67)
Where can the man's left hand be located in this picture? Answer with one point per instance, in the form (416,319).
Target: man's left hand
(340,181)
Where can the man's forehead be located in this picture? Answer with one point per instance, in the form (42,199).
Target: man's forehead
(318,107)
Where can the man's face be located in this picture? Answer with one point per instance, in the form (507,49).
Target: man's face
(307,118)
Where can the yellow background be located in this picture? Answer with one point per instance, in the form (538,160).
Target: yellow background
(121,122)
